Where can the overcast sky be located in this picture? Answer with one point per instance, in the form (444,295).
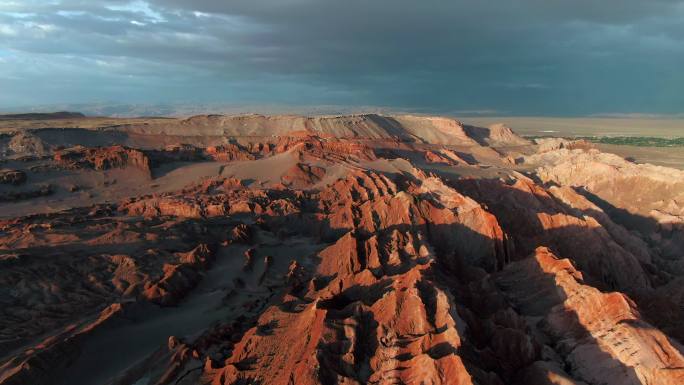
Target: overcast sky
(534,57)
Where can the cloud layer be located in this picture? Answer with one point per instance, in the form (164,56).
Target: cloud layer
(516,57)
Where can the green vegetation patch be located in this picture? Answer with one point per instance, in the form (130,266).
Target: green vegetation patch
(640,141)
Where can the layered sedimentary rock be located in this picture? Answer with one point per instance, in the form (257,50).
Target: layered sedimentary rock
(601,336)
(496,135)
(102,158)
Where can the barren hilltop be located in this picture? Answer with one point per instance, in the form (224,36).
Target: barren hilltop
(356,249)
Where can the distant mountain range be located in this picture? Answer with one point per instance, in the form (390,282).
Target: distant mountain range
(42,116)
(185,110)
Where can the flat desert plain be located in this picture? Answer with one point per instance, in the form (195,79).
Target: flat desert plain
(603,127)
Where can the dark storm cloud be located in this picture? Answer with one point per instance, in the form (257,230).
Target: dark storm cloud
(524,56)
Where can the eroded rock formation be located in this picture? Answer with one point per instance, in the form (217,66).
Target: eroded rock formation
(347,250)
